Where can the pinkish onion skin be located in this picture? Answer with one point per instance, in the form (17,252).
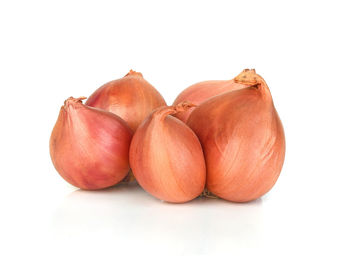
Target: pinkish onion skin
(89,147)
(242,139)
(202,91)
(132,98)
(166,157)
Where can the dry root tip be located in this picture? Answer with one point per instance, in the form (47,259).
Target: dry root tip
(129,178)
(207,194)
(248,76)
(133,73)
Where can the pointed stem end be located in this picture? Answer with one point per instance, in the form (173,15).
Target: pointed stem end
(183,106)
(248,76)
(73,101)
(133,73)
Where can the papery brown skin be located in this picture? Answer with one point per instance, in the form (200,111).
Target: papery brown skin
(242,139)
(202,91)
(166,157)
(90,147)
(132,98)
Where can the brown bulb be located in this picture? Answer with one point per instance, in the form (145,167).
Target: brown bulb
(90,147)
(166,156)
(242,139)
(132,98)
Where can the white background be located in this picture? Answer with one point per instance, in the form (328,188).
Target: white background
(51,50)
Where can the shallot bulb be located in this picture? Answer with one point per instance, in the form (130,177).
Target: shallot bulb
(132,98)
(202,91)
(242,139)
(166,156)
(90,147)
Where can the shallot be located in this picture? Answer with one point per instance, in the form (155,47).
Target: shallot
(90,147)
(242,139)
(166,156)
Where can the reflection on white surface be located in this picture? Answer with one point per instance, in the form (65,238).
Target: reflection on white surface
(132,219)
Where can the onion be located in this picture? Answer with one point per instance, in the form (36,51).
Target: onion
(132,98)
(242,139)
(166,156)
(90,147)
(202,91)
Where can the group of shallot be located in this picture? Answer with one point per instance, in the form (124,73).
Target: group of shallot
(221,138)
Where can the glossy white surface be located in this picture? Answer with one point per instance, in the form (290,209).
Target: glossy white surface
(52,50)
(126,221)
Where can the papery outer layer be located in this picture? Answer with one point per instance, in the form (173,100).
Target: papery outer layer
(132,98)
(242,139)
(89,147)
(166,157)
(202,91)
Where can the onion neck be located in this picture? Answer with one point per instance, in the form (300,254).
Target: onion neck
(133,73)
(73,102)
(250,78)
(170,110)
